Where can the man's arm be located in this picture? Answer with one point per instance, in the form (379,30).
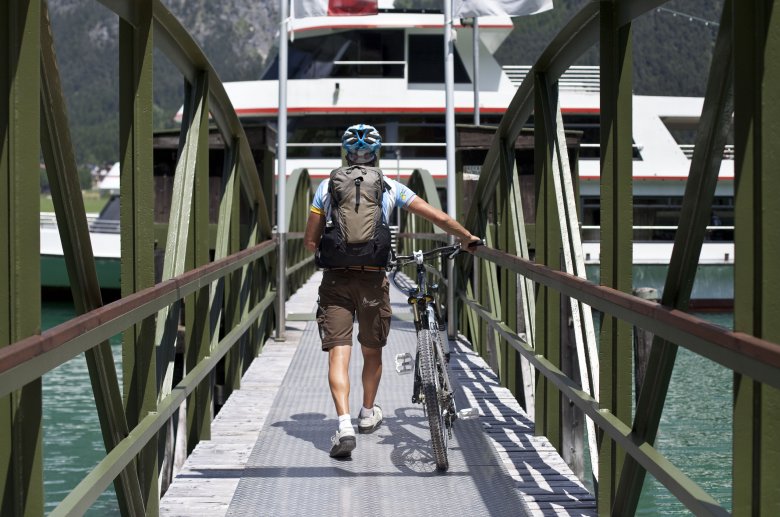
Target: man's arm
(314,227)
(420,207)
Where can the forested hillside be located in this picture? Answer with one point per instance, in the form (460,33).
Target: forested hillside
(235,34)
(671,54)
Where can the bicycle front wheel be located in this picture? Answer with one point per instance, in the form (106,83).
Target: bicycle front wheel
(429,380)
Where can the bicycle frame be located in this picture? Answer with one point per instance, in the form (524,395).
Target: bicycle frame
(432,387)
(426,317)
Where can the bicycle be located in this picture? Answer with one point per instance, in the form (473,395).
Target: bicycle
(432,387)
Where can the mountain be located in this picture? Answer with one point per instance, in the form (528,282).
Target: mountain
(672,45)
(672,53)
(236,35)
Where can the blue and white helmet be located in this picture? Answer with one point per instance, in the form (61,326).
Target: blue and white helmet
(361,143)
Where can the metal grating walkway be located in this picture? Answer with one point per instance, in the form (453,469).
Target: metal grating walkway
(497,466)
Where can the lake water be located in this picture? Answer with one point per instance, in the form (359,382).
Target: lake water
(72,442)
(695,432)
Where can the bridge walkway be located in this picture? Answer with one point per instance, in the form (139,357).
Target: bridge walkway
(269,449)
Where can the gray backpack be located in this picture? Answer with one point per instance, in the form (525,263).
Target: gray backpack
(356,233)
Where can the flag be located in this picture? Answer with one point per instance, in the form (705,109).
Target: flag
(476,8)
(304,8)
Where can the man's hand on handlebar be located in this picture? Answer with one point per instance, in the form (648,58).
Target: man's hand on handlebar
(470,245)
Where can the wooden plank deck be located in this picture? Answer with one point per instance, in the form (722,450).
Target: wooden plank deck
(209,479)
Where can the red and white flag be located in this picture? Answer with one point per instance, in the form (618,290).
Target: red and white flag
(476,8)
(304,8)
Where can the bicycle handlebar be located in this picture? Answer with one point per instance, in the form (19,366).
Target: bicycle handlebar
(450,251)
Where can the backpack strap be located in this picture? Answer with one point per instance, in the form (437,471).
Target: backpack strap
(331,200)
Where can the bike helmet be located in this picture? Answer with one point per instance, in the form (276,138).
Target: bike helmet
(361,143)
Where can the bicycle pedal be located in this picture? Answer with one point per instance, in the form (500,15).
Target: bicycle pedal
(404,363)
(469,413)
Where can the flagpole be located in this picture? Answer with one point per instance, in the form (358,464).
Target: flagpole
(449,120)
(281,175)
(476,70)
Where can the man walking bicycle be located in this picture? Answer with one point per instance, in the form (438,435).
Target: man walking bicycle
(348,229)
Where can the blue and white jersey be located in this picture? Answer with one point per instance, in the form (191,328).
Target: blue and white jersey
(398,194)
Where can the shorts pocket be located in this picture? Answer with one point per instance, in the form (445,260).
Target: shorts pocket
(385,314)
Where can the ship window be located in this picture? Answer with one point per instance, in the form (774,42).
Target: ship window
(344,54)
(426,60)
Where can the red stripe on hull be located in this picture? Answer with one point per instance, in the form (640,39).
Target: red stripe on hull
(390,26)
(383,109)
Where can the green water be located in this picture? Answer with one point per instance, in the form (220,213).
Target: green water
(72,442)
(695,431)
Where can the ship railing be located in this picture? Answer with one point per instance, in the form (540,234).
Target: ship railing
(104,226)
(728,151)
(661,233)
(385,145)
(580,78)
(49,219)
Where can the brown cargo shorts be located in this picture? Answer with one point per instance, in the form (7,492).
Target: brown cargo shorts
(349,295)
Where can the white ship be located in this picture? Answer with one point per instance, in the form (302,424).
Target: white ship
(387,70)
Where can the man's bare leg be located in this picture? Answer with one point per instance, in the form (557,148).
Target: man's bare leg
(338,377)
(372,374)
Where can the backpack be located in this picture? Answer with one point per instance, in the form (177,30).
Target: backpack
(355,233)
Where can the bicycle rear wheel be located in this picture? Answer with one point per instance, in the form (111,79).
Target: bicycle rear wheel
(429,379)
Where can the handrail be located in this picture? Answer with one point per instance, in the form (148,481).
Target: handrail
(87,491)
(212,327)
(34,356)
(743,353)
(493,215)
(677,482)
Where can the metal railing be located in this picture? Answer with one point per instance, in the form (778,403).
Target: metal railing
(49,219)
(660,233)
(728,151)
(497,300)
(580,78)
(215,303)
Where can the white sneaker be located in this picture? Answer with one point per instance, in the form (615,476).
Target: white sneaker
(371,423)
(342,443)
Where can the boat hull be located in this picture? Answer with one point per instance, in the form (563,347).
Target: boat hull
(54,274)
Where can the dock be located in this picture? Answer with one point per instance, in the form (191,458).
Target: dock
(268,454)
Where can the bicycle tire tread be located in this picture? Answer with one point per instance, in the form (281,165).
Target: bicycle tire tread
(428,376)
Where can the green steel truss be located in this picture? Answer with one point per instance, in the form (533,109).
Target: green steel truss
(227,301)
(510,305)
(300,262)
(746,63)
